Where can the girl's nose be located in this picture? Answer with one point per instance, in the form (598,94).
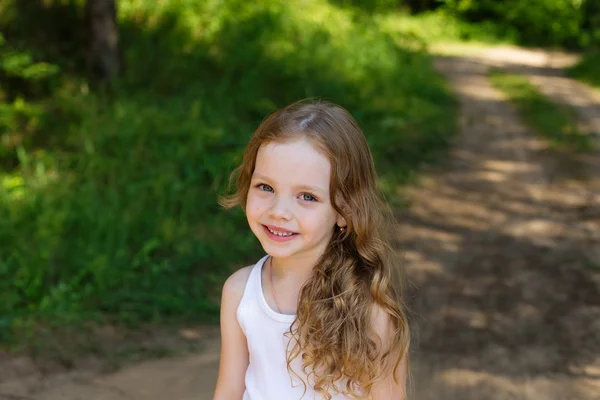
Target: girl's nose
(280,210)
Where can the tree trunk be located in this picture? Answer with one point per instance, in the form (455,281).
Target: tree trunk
(101,17)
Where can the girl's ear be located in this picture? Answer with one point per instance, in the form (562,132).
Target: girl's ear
(341,221)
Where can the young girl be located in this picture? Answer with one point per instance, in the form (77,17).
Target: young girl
(320,316)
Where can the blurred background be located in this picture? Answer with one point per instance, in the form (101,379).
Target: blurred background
(120,121)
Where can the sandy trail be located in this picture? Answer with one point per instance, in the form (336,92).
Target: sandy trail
(502,248)
(503,251)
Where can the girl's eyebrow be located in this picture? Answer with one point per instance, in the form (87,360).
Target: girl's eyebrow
(308,188)
(311,189)
(259,177)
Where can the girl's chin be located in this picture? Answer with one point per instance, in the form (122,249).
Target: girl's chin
(278,250)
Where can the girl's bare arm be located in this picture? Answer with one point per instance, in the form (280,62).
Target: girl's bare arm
(388,389)
(234,348)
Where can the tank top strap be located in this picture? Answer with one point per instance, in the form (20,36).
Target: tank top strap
(254,283)
(250,301)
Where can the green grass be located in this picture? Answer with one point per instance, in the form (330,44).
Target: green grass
(439,27)
(558,124)
(588,70)
(108,196)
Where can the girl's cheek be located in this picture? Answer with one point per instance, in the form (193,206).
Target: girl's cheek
(255,205)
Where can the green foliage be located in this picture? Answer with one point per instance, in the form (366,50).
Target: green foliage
(371,6)
(21,65)
(112,209)
(588,70)
(590,28)
(556,123)
(571,23)
(440,26)
(568,23)
(21,74)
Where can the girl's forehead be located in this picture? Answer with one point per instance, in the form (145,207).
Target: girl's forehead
(299,152)
(297,162)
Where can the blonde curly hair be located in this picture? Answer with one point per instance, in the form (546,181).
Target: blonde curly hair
(332,333)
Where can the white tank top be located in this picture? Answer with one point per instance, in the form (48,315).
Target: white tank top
(267,377)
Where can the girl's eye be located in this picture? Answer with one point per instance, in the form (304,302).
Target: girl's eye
(308,197)
(265,188)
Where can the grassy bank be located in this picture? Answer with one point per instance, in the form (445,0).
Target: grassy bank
(108,199)
(556,123)
(588,70)
(439,27)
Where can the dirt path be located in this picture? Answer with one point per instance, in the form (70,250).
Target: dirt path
(503,250)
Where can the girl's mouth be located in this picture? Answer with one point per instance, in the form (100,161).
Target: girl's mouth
(278,234)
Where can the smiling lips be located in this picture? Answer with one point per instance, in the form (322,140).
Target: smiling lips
(278,234)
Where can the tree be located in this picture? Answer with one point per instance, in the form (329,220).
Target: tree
(104,54)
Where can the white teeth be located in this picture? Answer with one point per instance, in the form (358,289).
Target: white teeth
(279,233)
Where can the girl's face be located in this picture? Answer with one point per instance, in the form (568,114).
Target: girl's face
(288,205)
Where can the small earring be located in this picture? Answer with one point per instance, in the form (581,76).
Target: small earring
(342,229)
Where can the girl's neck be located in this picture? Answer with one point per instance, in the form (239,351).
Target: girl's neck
(299,269)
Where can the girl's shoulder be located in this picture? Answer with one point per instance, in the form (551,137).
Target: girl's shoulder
(383,327)
(236,283)
(233,292)
(381,322)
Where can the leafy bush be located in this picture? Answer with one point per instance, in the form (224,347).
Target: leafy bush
(439,27)
(115,211)
(571,23)
(587,69)
(20,75)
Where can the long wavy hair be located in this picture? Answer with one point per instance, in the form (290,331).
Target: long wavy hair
(332,334)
